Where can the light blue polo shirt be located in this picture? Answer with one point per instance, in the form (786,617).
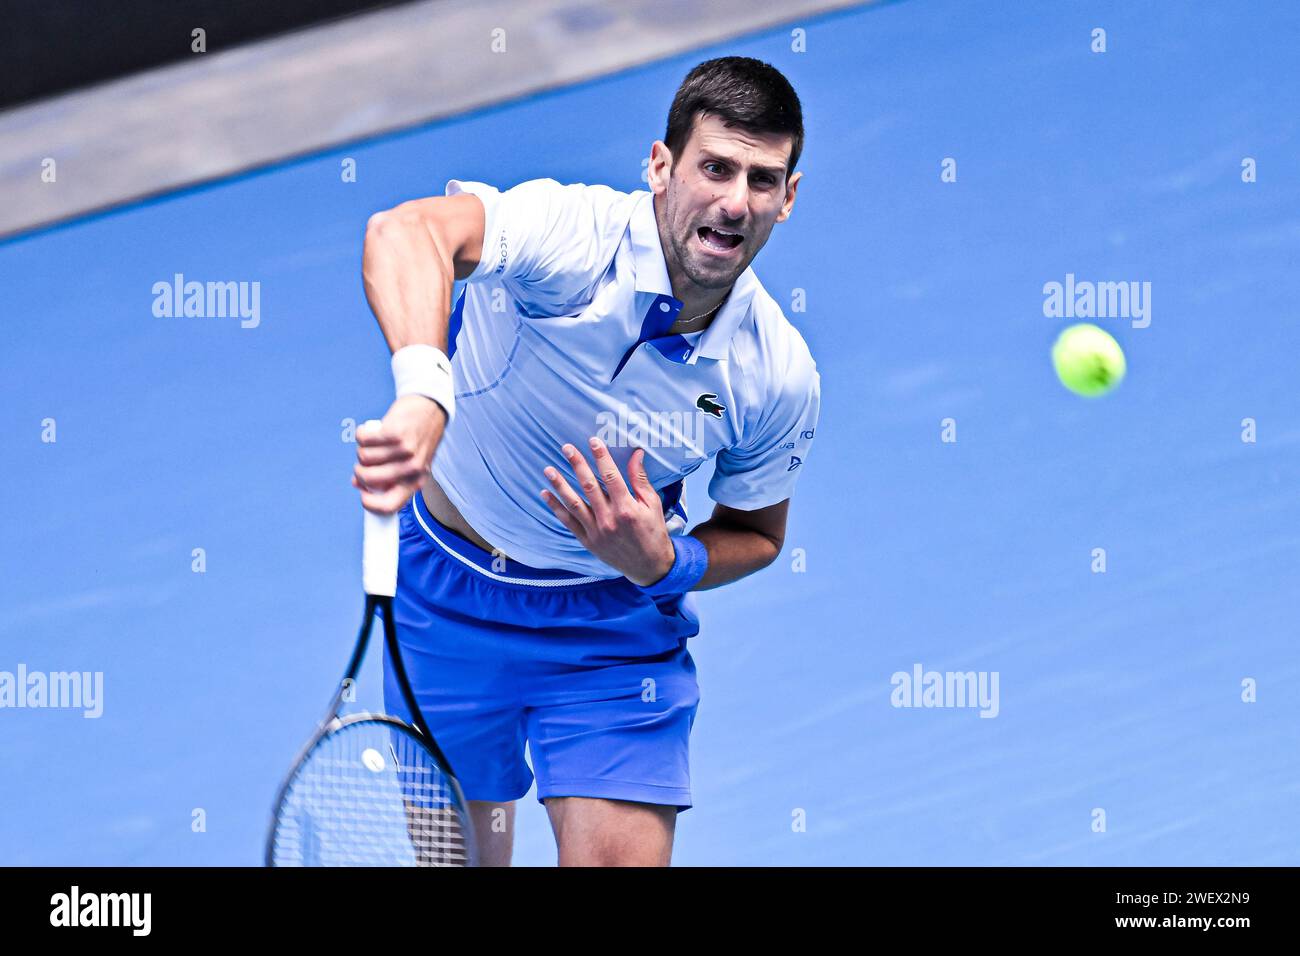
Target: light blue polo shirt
(560,333)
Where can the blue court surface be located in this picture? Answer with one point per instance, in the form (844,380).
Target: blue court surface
(1145,715)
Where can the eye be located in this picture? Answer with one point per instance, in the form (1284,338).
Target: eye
(713,168)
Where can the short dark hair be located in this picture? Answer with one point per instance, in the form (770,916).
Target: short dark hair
(742,91)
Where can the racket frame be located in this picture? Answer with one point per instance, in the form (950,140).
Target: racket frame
(334,721)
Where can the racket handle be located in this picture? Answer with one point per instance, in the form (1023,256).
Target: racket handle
(379,550)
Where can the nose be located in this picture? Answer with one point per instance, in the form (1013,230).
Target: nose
(735,200)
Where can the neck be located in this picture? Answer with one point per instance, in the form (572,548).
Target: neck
(698,318)
(698,310)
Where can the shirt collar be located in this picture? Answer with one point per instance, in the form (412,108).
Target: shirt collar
(652,278)
(715,343)
(647,251)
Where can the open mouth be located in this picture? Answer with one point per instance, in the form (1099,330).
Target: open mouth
(719,239)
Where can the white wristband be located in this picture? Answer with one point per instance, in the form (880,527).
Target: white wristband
(425,370)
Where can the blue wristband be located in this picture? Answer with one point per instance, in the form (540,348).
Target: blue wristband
(689,565)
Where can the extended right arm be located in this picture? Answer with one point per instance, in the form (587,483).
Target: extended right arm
(413,254)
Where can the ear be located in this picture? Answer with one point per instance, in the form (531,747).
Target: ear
(660,169)
(791,188)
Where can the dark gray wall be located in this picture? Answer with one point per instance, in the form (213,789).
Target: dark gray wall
(52,46)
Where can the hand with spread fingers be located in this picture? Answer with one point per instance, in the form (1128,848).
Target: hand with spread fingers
(622,523)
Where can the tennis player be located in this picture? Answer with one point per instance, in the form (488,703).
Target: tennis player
(604,346)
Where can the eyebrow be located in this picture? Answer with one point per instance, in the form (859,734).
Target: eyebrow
(776,172)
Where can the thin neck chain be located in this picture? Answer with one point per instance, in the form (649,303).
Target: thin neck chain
(700,316)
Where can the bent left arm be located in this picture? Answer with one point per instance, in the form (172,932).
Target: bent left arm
(622,522)
(740,542)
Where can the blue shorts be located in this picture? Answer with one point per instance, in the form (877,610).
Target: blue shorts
(591,673)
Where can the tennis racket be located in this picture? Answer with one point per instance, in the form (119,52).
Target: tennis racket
(369,789)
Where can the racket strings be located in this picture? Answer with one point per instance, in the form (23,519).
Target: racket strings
(370,794)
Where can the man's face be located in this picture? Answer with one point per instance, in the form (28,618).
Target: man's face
(720,200)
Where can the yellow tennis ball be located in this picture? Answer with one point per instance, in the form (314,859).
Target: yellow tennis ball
(1088,360)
